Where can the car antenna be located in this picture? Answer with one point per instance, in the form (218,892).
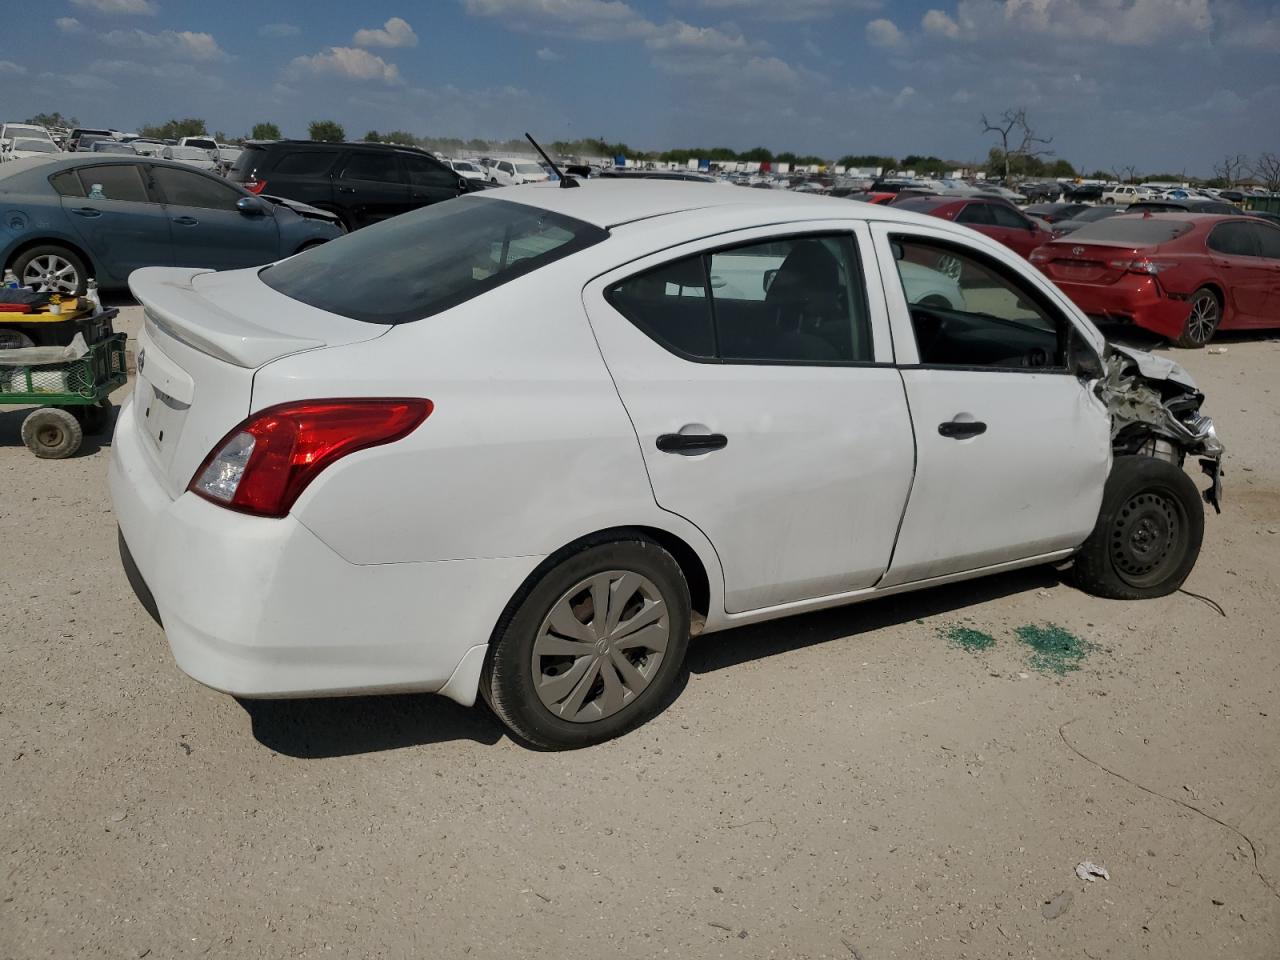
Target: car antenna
(565,182)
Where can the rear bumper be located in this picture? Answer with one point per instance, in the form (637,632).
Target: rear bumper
(263,608)
(1132,299)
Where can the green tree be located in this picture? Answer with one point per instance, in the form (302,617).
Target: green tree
(265,131)
(1061,168)
(174,129)
(327,131)
(403,136)
(868,160)
(52,120)
(373,136)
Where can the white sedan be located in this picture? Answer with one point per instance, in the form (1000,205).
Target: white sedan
(526,443)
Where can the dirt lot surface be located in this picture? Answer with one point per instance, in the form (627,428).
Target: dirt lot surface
(866,783)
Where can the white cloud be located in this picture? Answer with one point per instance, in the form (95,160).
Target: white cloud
(548,55)
(939,24)
(678,35)
(396,32)
(791,9)
(278,30)
(883,33)
(69,25)
(905,94)
(117,6)
(10,68)
(179,44)
(349,62)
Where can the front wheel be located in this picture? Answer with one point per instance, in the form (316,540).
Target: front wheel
(1148,534)
(593,648)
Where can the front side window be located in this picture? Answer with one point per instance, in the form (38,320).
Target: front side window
(968,311)
(377,167)
(1004,217)
(977,213)
(798,299)
(186,189)
(1267,238)
(425,173)
(434,258)
(117,181)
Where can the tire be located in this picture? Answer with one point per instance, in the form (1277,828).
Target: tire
(606,690)
(1203,317)
(1148,534)
(52,433)
(11,339)
(36,266)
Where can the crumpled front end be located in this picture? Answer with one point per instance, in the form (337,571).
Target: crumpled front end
(1156,411)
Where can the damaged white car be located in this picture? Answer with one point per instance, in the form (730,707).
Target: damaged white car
(593,421)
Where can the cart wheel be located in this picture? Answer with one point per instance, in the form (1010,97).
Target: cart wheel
(95,417)
(11,339)
(52,433)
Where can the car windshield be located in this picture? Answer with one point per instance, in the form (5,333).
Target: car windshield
(110,146)
(1138,231)
(421,263)
(463,165)
(35,146)
(528,168)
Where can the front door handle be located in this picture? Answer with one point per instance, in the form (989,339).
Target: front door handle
(346,189)
(689,444)
(962,429)
(86,212)
(186,221)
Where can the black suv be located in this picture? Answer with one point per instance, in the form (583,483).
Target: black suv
(361,182)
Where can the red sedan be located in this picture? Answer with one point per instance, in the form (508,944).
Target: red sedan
(1183,275)
(997,218)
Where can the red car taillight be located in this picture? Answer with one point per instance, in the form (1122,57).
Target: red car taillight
(1143,265)
(254,185)
(263,465)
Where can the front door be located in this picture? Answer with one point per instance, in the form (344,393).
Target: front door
(429,180)
(121,222)
(757,371)
(207,228)
(1012,447)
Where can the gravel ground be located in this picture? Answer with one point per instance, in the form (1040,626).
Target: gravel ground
(862,783)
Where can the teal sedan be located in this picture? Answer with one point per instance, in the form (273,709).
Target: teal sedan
(66,220)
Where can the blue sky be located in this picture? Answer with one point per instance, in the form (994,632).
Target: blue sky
(1161,84)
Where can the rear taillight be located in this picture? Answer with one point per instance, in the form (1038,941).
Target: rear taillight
(1142,265)
(254,185)
(1040,256)
(263,465)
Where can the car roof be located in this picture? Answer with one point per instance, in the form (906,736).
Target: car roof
(609,202)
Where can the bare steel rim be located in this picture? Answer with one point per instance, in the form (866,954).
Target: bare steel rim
(1203,320)
(51,273)
(1148,538)
(600,646)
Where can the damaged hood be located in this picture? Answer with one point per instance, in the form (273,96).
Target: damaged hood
(300,208)
(1153,367)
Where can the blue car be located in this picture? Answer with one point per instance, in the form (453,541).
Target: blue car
(92,215)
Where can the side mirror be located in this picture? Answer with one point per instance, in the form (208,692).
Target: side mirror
(251,206)
(898,251)
(769,277)
(1084,363)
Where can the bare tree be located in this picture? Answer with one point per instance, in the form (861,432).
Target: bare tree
(1267,169)
(1230,168)
(1011,127)
(1125,174)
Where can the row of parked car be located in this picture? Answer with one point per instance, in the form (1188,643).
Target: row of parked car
(20,141)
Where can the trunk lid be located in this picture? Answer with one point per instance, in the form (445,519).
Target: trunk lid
(204,336)
(1093,262)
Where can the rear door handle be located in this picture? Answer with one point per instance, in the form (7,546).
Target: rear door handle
(962,429)
(688,444)
(346,189)
(86,212)
(186,221)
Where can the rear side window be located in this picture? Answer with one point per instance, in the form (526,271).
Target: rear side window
(378,167)
(421,263)
(120,181)
(67,184)
(1233,239)
(302,163)
(795,299)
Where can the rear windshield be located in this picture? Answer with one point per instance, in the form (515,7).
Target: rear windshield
(920,204)
(427,261)
(1133,230)
(246,162)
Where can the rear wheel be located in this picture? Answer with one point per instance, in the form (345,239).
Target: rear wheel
(593,648)
(1202,319)
(51,269)
(52,433)
(1148,534)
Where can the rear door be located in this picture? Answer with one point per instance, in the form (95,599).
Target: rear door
(429,180)
(117,214)
(371,186)
(1012,448)
(1268,240)
(207,228)
(1233,247)
(757,371)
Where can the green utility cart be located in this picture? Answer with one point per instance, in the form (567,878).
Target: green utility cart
(70,383)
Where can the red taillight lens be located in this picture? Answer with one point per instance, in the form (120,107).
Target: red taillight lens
(1142,265)
(263,465)
(254,185)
